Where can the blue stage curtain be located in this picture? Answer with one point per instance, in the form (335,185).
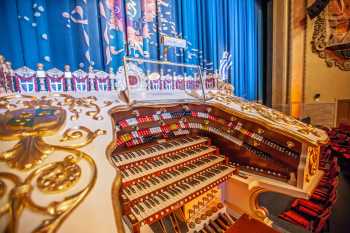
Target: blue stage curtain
(220,34)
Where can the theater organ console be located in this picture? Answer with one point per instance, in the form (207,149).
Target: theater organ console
(170,154)
(193,164)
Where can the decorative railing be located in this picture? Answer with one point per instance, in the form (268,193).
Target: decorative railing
(24,80)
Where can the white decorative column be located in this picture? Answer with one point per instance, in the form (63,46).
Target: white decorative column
(68,78)
(112,79)
(91,78)
(40,77)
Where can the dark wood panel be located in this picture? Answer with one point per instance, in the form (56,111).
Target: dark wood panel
(247,224)
(343,112)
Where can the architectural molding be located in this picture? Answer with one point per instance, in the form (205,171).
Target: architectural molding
(280,54)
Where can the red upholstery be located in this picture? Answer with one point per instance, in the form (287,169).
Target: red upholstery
(294,217)
(344,126)
(322,222)
(313,214)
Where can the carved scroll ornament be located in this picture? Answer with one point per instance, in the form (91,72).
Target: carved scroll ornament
(331,34)
(28,121)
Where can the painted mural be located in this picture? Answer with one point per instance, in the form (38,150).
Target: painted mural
(331,36)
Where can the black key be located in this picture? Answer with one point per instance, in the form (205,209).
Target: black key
(156,180)
(162,177)
(149,166)
(142,152)
(145,167)
(161,197)
(143,185)
(154,163)
(147,184)
(136,210)
(174,191)
(155,200)
(182,186)
(140,207)
(200,178)
(165,195)
(124,156)
(151,201)
(139,186)
(125,173)
(178,189)
(147,204)
(138,153)
(140,169)
(168,175)
(127,191)
(152,181)
(115,159)
(171,192)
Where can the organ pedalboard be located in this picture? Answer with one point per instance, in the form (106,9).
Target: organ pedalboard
(172,185)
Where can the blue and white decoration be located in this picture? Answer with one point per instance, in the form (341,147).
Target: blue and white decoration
(222,36)
(225,65)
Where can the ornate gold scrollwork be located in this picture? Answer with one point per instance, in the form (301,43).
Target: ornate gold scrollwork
(257,211)
(5,101)
(313,155)
(5,191)
(269,114)
(260,131)
(29,123)
(27,153)
(80,136)
(59,177)
(50,178)
(87,102)
(39,118)
(28,126)
(256,143)
(117,208)
(290,144)
(329,38)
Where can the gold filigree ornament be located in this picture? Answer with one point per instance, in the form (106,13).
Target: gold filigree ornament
(80,136)
(28,126)
(330,38)
(270,114)
(11,102)
(27,121)
(290,144)
(59,177)
(50,178)
(5,191)
(75,104)
(313,154)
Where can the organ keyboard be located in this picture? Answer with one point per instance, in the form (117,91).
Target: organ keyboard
(162,177)
(129,159)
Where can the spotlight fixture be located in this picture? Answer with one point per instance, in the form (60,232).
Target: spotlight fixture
(317,97)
